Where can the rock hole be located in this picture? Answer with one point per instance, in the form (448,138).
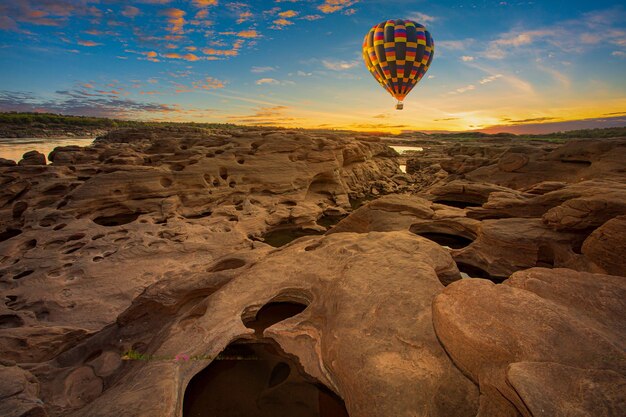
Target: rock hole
(23,274)
(59,226)
(62,204)
(31,244)
(219,152)
(447,240)
(166,182)
(116,220)
(576,162)
(177,167)
(279,374)
(97,259)
(471,271)
(232,184)
(458,203)
(10,321)
(239,383)
(223,174)
(241,161)
(231,263)
(282,235)
(9,233)
(272,313)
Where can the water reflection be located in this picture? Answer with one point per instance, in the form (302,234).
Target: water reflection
(14,148)
(404,149)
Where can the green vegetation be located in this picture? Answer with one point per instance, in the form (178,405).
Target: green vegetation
(15,124)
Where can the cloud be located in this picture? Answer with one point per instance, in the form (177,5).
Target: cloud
(77,102)
(176,20)
(339,65)
(271,81)
(489,79)
(281,23)
(421,17)
(233,51)
(88,43)
(130,12)
(250,34)
(467,58)
(288,14)
(208,83)
(262,69)
(619,54)
(244,16)
(312,17)
(265,116)
(187,57)
(455,45)
(204,3)
(331,6)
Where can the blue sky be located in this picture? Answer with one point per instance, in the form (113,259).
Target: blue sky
(298,63)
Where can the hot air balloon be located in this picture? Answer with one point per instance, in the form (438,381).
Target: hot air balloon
(398,54)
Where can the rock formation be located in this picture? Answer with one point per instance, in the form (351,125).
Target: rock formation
(256,271)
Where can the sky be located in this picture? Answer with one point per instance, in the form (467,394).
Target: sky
(517,66)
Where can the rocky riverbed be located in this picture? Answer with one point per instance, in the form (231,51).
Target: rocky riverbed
(192,272)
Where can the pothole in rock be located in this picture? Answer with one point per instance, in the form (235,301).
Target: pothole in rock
(8,234)
(9,321)
(272,313)
(355,203)
(329,221)
(471,271)
(258,380)
(117,219)
(458,203)
(282,235)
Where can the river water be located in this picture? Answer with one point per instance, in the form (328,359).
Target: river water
(14,148)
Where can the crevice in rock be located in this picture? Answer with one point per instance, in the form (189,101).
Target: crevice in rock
(257,379)
(458,203)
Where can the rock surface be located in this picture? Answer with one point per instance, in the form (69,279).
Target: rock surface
(134,273)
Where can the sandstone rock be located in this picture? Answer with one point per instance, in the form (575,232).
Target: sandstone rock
(33,158)
(606,246)
(7,162)
(555,329)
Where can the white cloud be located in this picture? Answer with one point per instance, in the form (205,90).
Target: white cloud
(489,79)
(422,17)
(619,54)
(270,81)
(262,69)
(467,58)
(339,65)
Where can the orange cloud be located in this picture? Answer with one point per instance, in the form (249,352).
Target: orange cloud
(244,16)
(208,84)
(234,51)
(186,57)
(88,43)
(281,23)
(204,3)
(288,13)
(331,6)
(175,19)
(248,34)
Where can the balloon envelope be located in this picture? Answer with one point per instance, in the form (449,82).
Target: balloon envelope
(398,54)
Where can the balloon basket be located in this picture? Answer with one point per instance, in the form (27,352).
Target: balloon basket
(400,105)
